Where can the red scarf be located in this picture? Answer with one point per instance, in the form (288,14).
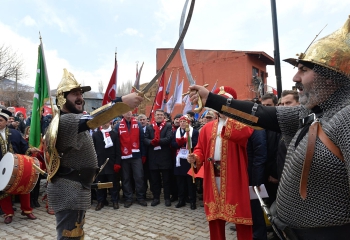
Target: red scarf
(157,129)
(129,139)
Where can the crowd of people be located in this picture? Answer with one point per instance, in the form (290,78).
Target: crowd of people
(297,146)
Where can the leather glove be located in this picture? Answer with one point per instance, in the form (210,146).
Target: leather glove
(143,159)
(116,167)
(155,142)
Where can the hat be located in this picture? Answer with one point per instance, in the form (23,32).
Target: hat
(332,51)
(178,116)
(5,113)
(67,84)
(185,118)
(227,92)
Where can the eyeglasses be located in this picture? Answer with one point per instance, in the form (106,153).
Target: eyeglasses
(208,117)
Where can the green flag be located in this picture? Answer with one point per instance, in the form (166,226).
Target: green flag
(41,95)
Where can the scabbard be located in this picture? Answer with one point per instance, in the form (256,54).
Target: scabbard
(102,185)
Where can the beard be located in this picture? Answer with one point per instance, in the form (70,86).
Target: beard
(71,106)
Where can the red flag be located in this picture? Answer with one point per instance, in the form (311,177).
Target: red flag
(111,90)
(274,91)
(157,104)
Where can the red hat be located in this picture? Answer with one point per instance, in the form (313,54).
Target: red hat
(227,92)
(185,118)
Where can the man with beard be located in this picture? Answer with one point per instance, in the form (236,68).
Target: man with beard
(69,192)
(313,198)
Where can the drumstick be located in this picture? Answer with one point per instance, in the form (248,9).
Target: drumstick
(42,172)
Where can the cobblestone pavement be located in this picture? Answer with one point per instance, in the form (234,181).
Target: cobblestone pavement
(136,222)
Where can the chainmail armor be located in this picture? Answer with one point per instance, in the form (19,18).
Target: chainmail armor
(78,152)
(328,189)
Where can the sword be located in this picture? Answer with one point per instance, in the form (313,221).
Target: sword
(101,168)
(185,63)
(268,214)
(172,55)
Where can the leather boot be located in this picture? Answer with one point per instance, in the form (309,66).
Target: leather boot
(99,206)
(181,203)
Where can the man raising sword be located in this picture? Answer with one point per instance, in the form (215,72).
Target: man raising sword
(69,185)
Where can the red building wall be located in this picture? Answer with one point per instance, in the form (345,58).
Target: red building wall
(227,67)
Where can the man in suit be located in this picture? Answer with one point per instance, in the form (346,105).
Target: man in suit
(107,146)
(157,139)
(143,121)
(180,141)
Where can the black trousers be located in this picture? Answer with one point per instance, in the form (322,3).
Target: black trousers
(158,177)
(259,225)
(132,168)
(186,187)
(102,193)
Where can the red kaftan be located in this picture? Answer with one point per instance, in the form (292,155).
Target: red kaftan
(232,203)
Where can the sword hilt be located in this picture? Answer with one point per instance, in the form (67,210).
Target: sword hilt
(140,93)
(200,103)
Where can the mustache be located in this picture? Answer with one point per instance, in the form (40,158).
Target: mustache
(299,86)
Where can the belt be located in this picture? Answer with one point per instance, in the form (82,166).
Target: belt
(85,175)
(217,168)
(323,233)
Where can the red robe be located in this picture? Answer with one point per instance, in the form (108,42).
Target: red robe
(232,203)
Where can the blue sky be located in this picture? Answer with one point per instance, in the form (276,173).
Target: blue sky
(82,35)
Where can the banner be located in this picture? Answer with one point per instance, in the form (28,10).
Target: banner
(41,95)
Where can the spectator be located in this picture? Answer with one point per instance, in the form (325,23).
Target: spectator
(131,138)
(158,139)
(180,142)
(107,146)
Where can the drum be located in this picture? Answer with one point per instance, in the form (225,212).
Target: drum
(17,174)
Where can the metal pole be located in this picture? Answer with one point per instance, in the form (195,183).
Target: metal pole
(277,49)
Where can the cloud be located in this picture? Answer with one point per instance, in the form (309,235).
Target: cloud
(132,32)
(28,21)
(67,24)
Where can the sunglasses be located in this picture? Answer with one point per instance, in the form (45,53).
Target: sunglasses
(208,117)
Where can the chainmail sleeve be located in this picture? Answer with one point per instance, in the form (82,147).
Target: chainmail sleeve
(288,118)
(76,151)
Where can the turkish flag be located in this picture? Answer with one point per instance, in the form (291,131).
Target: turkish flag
(111,90)
(47,110)
(159,98)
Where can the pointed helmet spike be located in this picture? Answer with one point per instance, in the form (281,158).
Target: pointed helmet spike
(332,51)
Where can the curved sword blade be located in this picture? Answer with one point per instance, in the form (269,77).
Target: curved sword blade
(182,48)
(173,53)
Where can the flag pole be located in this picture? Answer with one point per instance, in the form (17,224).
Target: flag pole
(115,65)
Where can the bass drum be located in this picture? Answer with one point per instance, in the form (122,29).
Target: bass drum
(17,174)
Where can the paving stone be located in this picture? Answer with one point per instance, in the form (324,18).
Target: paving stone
(134,223)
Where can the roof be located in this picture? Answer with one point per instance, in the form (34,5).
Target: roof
(259,54)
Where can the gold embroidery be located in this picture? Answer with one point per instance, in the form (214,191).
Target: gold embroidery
(3,142)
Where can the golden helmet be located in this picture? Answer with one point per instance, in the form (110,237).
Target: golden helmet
(67,84)
(332,51)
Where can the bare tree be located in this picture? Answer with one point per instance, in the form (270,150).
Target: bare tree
(12,96)
(124,88)
(100,86)
(11,65)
